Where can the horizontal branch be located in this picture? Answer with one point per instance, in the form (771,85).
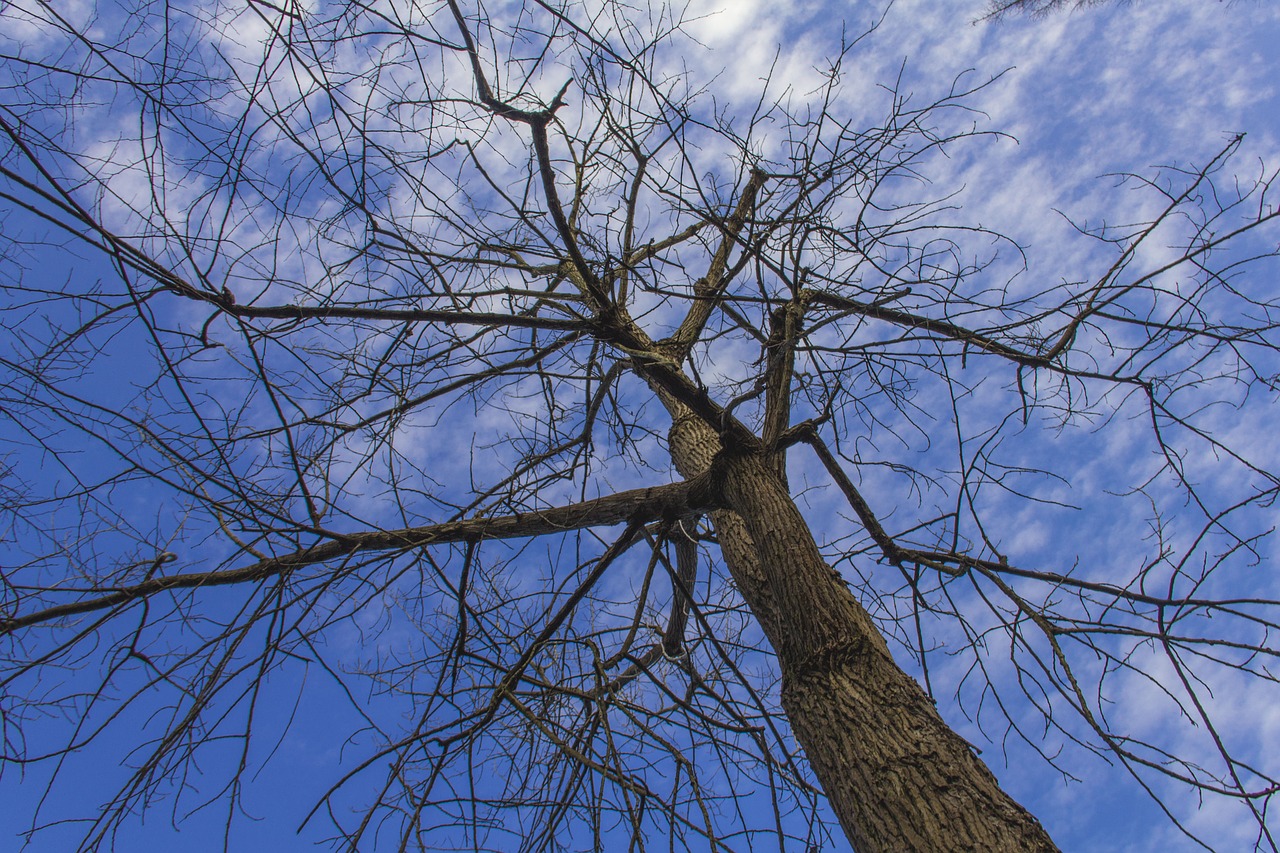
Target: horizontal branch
(135,259)
(399,315)
(942,328)
(957,564)
(675,500)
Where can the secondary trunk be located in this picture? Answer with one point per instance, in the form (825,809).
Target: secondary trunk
(897,777)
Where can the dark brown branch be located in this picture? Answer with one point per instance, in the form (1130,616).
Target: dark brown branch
(943,328)
(398,315)
(708,289)
(958,564)
(780,362)
(537,120)
(682,581)
(676,500)
(617,549)
(870,523)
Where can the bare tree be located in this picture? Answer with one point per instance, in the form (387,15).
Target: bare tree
(471,361)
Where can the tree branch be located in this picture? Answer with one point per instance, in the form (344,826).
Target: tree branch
(708,289)
(676,500)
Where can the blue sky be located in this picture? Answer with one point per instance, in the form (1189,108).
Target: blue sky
(1070,102)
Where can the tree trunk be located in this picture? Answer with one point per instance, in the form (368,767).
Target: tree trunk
(897,777)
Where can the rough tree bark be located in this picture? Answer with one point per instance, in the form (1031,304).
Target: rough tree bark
(896,775)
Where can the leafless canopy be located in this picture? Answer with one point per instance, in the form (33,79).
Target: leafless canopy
(342,349)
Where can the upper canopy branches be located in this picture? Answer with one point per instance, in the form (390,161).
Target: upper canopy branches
(409,296)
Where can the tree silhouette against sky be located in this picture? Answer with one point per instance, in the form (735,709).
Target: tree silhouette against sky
(557,454)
